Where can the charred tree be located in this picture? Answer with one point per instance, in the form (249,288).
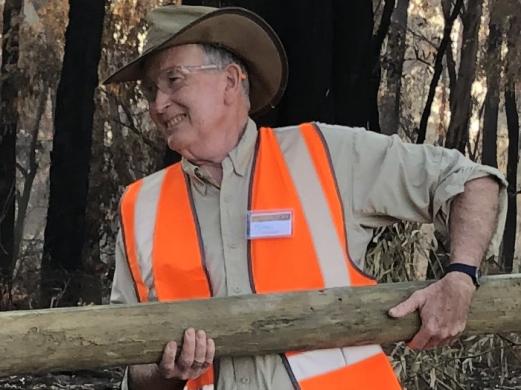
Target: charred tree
(8,124)
(493,71)
(29,173)
(390,108)
(461,105)
(438,69)
(356,69)
(376,68)
(509,236)
(328,43)
(449,55)
(62,271)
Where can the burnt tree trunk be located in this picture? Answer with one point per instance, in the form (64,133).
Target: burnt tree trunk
(509,236)
(354,82)
(62,271)
(438,69)
(376,68)
(8,124)
(449,55)
(29,174)
(461,105)
(493,71)
(329,50)
(390,108)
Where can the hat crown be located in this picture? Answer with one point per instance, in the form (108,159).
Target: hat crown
(169,20)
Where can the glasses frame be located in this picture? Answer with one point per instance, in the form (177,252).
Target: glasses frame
(164,81)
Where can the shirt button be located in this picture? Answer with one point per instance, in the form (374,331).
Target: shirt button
(245,381)
(233,245)
(237,290)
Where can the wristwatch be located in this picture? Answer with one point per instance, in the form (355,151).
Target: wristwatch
(470,270)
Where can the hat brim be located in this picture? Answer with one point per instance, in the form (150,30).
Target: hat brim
(239,31)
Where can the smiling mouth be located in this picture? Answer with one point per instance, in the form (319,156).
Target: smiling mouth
(176,120)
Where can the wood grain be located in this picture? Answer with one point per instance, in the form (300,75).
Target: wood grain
(39,341)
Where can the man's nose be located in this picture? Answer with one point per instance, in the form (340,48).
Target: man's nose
(162,101)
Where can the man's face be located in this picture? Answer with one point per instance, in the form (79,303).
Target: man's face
(189,113)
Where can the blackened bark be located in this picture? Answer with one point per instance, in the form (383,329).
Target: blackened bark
(356,71)
(446,6)
(376,68)
(438,69)
(8,124)
(328,43)
(461,105)
(509,235)
(29,173)
(493,70)
(390,107)
(61,277)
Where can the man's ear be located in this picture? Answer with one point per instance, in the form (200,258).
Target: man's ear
(234,79)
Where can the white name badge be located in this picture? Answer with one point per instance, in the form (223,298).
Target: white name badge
(269,224)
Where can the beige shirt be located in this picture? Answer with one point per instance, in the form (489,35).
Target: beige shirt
(381,181)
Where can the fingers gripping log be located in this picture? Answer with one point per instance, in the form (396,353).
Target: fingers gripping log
(101,336)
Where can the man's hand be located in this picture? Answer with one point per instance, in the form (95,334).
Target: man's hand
(172,371)
(443,308)
(196,356)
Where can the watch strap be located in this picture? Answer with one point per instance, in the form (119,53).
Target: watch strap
(470,270)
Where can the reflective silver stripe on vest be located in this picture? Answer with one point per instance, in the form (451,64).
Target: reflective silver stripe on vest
(330,252)
(310,364)
(332,259)
(145,220)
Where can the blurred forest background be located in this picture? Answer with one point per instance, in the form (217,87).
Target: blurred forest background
(445,72)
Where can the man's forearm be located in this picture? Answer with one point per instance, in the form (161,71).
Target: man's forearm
(473,220)
(147,376)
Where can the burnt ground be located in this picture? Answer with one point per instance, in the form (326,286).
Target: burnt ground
(480,379)
(105,379)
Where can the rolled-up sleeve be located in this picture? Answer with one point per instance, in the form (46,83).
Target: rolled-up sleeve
(400,181)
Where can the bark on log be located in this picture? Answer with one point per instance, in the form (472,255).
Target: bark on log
(99,336)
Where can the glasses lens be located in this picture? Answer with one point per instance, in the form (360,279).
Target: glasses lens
(170,80)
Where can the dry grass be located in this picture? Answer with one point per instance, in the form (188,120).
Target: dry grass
(401,252)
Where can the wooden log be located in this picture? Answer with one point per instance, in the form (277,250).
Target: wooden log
(99,336)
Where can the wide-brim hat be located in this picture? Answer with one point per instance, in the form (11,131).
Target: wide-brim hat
(241,32)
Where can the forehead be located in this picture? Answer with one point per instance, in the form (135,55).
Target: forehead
(178,55)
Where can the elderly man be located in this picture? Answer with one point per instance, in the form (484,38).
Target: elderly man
(253,210)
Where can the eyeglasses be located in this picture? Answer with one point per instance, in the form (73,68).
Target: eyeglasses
(171,79)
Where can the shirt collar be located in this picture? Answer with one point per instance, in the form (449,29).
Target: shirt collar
(239,156)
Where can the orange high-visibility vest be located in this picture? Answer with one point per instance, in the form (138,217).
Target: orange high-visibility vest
(291,171)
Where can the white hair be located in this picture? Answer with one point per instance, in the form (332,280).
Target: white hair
(222,57)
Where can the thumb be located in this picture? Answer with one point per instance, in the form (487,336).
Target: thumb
(410,305)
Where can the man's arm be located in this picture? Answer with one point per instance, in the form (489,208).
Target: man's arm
(444,305)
